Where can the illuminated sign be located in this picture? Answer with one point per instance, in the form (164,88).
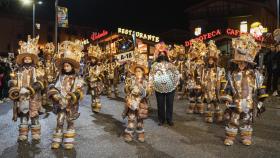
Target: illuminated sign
(124,56)
(243,27)
(229,32)
(233,32)
(138,34)
(205,36)
(95,35)
(85,41)
(197,31)
(38,26)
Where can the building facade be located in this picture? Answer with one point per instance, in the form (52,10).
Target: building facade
(213,14)
(15,28)
(220,20)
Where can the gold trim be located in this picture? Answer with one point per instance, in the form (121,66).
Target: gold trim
(74,63)
(81,94)
(263,96)
(73,97)
(52,92)
(34,57)
(12,91)
(69,135)
(42,84)
(223,81)
(134,66)
(31,90)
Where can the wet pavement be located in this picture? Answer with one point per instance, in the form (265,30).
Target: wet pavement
(100,135)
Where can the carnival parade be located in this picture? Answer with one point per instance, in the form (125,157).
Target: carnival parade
(121,92)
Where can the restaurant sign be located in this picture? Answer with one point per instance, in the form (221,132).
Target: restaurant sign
(210,35)
(98,35)
(140,35)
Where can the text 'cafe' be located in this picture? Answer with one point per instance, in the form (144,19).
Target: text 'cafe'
(219,32)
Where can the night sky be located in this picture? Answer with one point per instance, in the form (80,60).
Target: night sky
(153,16)
(146,15)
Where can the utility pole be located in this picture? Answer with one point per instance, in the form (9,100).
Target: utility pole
(278,13)
(33,20)
(55,27)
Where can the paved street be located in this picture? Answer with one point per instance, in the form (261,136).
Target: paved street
(210,48)
(99,135)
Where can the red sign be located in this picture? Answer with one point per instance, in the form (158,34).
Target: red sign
(233,32)
(205,36)
(229,31)
(95,35)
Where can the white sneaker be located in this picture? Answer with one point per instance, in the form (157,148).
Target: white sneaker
(275,93)
(1,102)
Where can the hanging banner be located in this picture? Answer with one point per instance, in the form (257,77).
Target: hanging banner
(62,16)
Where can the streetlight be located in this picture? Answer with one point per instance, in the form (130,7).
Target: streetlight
(27,2)
(33,2)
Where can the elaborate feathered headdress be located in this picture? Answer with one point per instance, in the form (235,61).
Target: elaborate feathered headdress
(197,50)
(139,60)
(213,51)
(179,49)
(71,52)
(245,48)
(49,49)
(94,52)
(28,49)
